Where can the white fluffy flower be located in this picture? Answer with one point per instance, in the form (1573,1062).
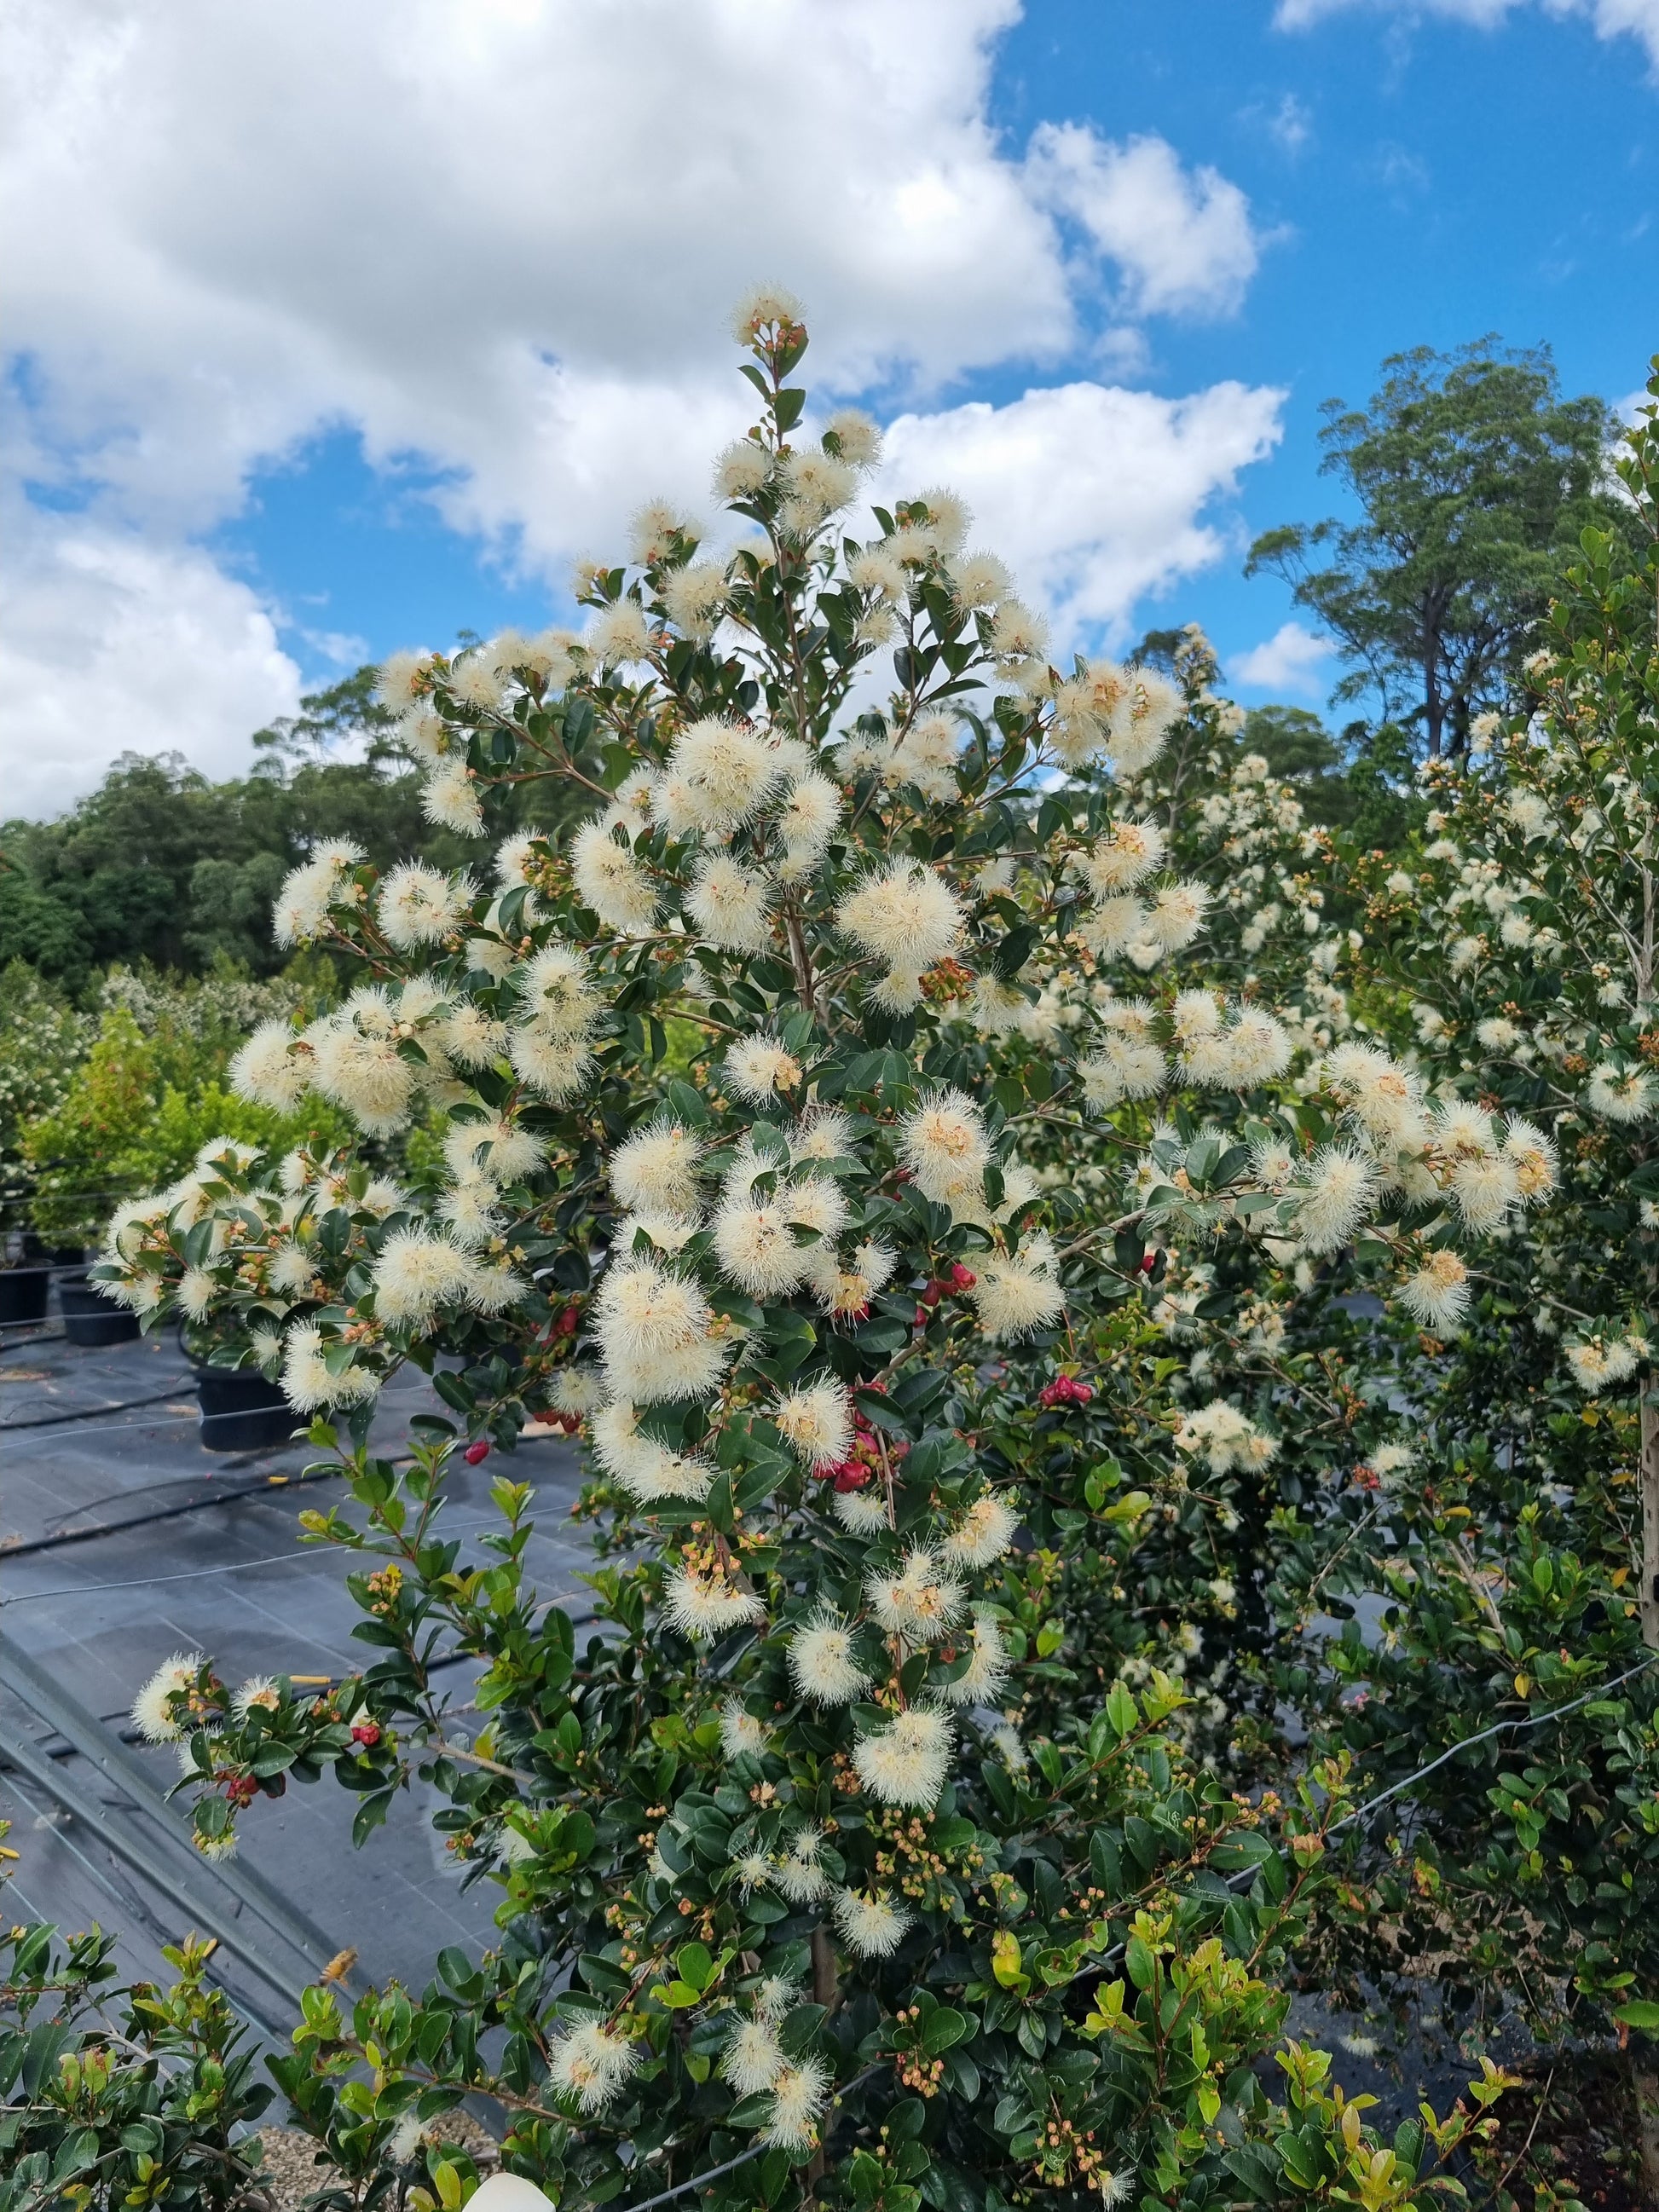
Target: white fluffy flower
(1149,710)
(415,1274)
(652,528)
(741,471)
(592,2065)
(648,1470)
(800,2093)
(925,755)
(808,818)
(945,1146)
(694,596)
(728,904)
(980,580)
(1176,916)
(825,1133)
(756,1247)
(449,797)
(817,1422)
(1533,1156)
(309,1383)
(987,1672)
(1120,861)
(268,1069)
(726,771)
(470,1037)
(149,1708)
(609,879)
(499,1149)
(655,1171)
(358,1064)
(1129,1062)
(822,1662)
(921,1600)
(1596,1364)
(861,1512)
(752,2058)
(907,916)
(906,1763)
(1485,1187)
(870,1924)
(400,680)
(1017,1293)
(309,891)
(558,1068)
(419,905)
(618,636)
(984,1533)
(798,1873)
(707,1604)
(742,1735)
(653,1328)
(553,988)
(1335,1196)
(1384,1099)
(759,1068)
(816,484)
(1226,1438)
(1619,1093)
(1437,1294)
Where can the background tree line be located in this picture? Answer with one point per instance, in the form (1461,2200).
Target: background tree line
(1469,478)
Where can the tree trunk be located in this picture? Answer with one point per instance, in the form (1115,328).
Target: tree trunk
(826,1990)
(1648,1484)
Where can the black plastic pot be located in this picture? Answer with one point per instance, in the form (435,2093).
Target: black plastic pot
(90,1318)
(23,1293)
(241,1412)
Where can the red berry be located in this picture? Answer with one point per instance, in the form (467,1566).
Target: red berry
(962,1279)
(922,1316)
(933,1293)
(1149,1261)
(566,1323)
(365,1732)
(475,1454)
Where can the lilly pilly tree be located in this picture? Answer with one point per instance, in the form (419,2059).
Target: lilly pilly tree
(1523,1548)
(732,1181)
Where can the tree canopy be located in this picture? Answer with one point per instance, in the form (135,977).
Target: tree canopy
(1473,478)
(161,865)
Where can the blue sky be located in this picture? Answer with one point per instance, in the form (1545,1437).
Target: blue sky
(240,461)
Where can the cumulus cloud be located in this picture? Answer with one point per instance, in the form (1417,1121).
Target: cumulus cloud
(1183,243)
(1093,494)
(111,643)
(501,234)
(1284,662)
(1610,19)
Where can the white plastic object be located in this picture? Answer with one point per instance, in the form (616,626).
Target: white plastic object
(507,2192)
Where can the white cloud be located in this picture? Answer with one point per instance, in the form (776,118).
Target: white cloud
(1284,662)
(503,234)
(1093,494)
(110,644)
(1291,125)
(1184,244)
(1611,19)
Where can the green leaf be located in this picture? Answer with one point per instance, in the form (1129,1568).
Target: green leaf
(946,2027)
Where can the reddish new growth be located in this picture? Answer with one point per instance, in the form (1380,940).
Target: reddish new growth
(863,1463)
(1065,1391)
(959,1280)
